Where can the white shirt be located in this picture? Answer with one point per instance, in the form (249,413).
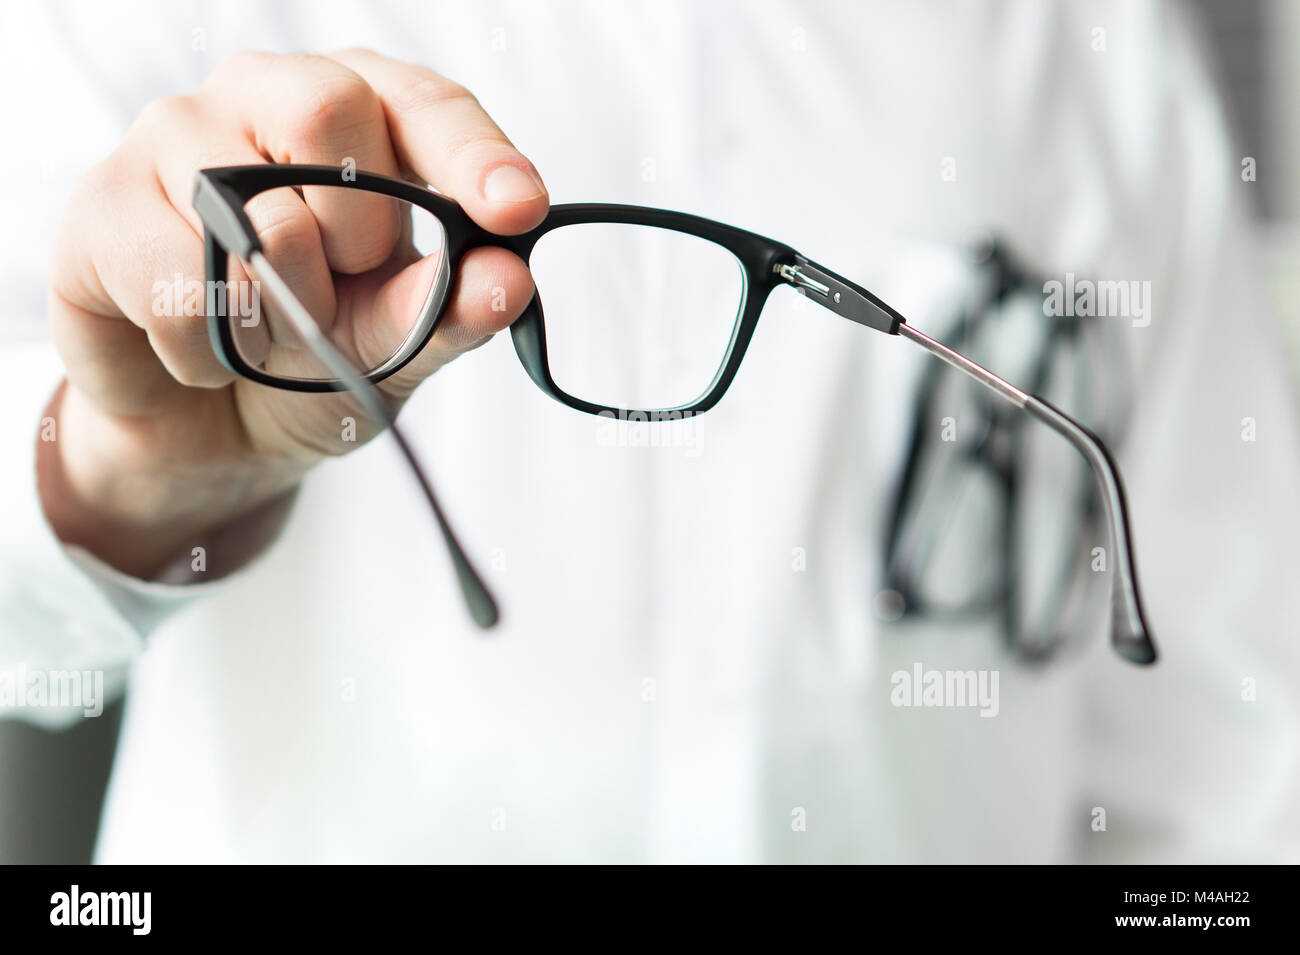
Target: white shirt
(666,685)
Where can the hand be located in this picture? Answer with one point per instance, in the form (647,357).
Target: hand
(157,444)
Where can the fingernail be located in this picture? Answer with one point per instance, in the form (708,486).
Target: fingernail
(510,184)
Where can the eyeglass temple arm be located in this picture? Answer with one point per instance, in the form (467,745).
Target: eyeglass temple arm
(223,214)
(478,598)
(1130,635)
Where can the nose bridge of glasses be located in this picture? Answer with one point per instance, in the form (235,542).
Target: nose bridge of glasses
(837,294)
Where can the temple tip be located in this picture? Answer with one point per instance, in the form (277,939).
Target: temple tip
(479,601)
(483,609)
(1131,638)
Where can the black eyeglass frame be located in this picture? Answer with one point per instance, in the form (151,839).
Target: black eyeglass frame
(221,193)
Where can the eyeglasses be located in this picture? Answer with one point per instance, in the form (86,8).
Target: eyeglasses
(649,314)
(989,518)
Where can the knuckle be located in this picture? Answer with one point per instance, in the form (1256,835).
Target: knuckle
(98,194)
(184,373)
(173,339)
(474,143)
(426,93)
(366,250)
(101,179)
(287,232)
(165,111)
(336,105)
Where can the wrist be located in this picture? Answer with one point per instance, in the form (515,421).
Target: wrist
(137,491)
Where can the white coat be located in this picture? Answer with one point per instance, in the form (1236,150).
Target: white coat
(671,682)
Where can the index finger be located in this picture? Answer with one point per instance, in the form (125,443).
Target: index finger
(441,133)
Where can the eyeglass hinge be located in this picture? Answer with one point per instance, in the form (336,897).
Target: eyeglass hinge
(795,276)
(838,294)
